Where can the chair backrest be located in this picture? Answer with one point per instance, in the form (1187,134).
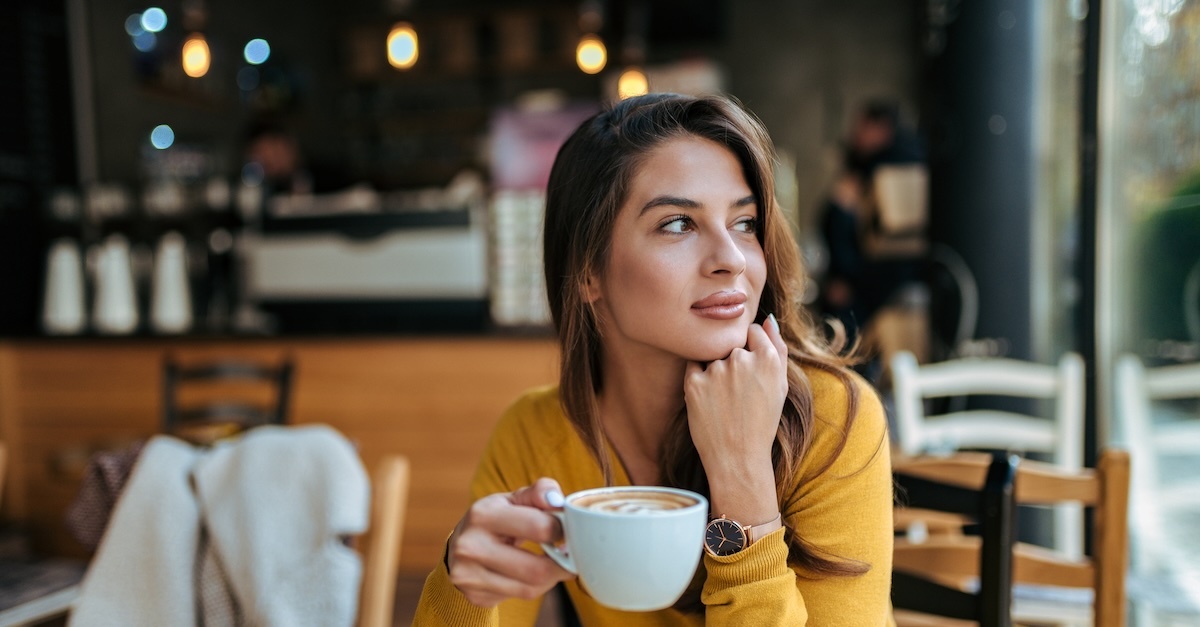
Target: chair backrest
(1105,488)
(954,300)
(380,546)
(927,576)
(1060,437)
(919,433)
(1149,440)
(227,394)
(901,197)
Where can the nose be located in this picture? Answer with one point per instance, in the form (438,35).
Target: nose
(724,254)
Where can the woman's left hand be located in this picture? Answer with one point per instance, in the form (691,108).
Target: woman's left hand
(734,406)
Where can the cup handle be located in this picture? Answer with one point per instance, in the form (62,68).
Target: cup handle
(560,557)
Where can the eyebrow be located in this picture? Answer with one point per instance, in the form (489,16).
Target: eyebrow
(688,203)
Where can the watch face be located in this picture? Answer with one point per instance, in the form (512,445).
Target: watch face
(724,537)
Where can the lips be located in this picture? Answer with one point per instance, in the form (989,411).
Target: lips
(721,306)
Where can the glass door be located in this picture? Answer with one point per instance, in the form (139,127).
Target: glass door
(1148,274)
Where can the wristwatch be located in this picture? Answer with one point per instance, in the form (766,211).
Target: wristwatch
(725,536)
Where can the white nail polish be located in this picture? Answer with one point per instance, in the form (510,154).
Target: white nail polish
(554,498)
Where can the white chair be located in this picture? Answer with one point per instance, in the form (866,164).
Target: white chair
(1060,436)
(1151,437)
(379,548)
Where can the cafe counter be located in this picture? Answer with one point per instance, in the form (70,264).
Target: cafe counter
(432,399)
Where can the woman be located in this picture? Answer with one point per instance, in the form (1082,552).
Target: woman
(672,277)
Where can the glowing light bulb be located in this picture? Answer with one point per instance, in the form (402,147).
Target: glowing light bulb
(145,42)
(154,20)
(196,57)
(633,82)
(257,51)
(133,25)
(402,46)
(162,137)
(590,54)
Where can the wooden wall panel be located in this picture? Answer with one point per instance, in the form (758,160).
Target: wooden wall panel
(14,478)
(435,400)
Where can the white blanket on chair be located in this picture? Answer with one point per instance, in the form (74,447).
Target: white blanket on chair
(275,505)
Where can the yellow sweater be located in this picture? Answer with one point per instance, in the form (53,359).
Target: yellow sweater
(846,511)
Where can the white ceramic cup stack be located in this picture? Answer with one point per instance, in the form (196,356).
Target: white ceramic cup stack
(63,309)
(171,302)
(115,309)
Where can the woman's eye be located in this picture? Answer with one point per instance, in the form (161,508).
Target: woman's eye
(747,225)
(678,224)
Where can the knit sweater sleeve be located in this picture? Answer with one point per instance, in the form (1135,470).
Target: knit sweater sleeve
(503,468)
(843,511)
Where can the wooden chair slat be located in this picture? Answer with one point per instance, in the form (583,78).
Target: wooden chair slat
(935,522)
(1038,483)
(1040,566)
(948,556)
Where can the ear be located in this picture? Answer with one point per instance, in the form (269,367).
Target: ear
(590,288)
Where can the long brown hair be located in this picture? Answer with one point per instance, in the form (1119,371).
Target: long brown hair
(588,184)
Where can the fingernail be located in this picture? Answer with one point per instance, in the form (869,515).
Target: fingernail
(774,322)
(554,498)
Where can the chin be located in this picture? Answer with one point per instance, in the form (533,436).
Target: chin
(717,345)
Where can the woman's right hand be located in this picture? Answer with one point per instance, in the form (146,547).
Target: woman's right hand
(483,558)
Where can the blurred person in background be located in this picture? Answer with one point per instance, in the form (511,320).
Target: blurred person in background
(273,158)
(855,286)
(673,281)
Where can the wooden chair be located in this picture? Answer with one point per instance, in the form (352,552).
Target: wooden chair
(927,577)
(43,588)
(1041,578)
(380,546)
(203,402)
(1061,437)
(1172,435)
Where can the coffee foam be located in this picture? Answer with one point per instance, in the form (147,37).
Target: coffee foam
(635,502)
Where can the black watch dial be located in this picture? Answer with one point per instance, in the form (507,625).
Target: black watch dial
(724,537)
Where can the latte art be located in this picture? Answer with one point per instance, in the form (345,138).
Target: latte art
(634,502)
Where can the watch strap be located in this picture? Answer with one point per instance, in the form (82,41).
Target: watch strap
(756,532)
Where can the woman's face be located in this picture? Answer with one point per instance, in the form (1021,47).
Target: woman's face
(685,269)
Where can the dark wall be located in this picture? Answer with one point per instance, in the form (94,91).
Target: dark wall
(981,147)
(37,151)
(134,92)
(801,65)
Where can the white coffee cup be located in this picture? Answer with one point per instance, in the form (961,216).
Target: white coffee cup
(636,558)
